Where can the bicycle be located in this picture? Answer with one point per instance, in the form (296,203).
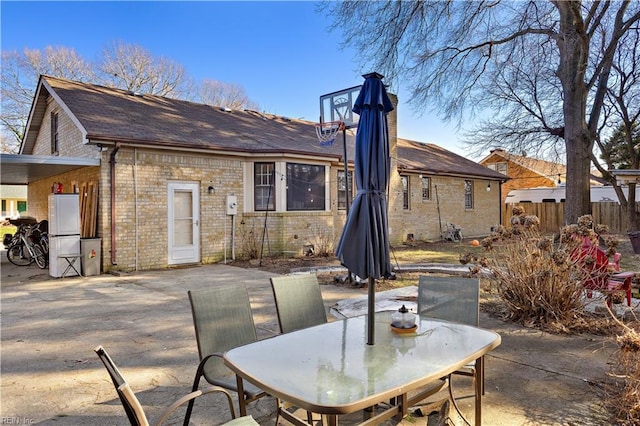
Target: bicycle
(24,248)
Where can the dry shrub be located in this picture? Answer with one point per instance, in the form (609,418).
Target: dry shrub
(250,240)
(623,394)
(322,241)
(536,276)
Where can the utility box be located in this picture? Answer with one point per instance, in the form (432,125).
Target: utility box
(91,256)
(232,205)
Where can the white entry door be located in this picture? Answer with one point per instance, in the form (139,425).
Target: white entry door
(184,222)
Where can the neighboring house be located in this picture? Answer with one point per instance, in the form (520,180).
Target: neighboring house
(14,200)
(170,172)
(523,171)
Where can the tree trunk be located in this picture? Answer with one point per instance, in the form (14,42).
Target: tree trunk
(633,219)
(573,44)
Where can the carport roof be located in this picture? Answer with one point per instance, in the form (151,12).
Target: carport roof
(24,169)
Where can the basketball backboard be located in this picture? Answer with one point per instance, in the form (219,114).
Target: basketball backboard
(338,106)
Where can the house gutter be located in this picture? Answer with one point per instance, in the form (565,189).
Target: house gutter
(112,172)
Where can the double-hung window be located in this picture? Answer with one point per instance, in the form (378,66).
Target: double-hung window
(468,194)
(342,189)
(426,188)
(264,189)
(54,133)
(405,192)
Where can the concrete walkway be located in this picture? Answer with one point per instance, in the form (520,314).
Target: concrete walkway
(50,374)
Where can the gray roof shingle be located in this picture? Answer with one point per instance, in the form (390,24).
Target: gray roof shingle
(109,114)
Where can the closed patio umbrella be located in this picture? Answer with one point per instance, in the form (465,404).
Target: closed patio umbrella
(364,244)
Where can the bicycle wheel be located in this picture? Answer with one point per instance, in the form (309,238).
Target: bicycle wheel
(18,255)
(41,258)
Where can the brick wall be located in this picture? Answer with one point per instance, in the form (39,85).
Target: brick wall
(70,138)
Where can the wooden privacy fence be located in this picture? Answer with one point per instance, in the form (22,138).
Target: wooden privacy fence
(551,215)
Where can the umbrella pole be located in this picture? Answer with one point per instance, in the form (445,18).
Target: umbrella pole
(371,308)
(346,183)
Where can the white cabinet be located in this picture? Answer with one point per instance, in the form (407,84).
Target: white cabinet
(64,214)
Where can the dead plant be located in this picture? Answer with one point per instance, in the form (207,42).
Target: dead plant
(537,277)
(623,394)
(322,241)
(249,240)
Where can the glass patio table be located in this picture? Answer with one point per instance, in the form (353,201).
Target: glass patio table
(329,369)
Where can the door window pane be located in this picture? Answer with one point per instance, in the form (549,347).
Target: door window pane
(183,218)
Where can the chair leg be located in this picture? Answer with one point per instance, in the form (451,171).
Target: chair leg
(242,402)
(196,385)
(187,415)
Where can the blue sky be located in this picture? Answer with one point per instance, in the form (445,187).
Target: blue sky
(282,53)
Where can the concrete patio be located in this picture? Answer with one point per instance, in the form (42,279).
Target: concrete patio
(50,374)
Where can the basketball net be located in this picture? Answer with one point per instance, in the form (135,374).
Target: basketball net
(328,131)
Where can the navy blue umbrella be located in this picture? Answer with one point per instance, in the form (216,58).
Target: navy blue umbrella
(364,245)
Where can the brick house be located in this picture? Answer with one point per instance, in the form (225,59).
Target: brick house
(523,171)
(168,169)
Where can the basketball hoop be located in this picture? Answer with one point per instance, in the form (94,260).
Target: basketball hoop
(328,131)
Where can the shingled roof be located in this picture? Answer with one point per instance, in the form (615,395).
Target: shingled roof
(428,158)
(108,114)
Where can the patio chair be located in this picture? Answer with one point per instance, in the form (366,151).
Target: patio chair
(135,411)
(452,233)
(455,299)
(600,273)
(222,320)
(298,302)
(299,305)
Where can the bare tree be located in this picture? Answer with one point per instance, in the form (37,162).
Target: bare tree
(134,68)
(20,74)
(122,66)
(544,65)
(227,95)
(622,105)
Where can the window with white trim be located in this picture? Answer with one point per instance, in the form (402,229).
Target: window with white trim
(264,189)
(305,187)
(468,194)
(498,167)
(342,192)
(54,133)
(426,188)
(405,192)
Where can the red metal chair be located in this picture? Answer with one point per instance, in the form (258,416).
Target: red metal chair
(600,273)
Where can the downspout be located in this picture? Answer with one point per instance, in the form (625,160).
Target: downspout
(112,171)
(501,203)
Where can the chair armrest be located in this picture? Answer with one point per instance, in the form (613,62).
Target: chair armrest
(193,395)
(623,275)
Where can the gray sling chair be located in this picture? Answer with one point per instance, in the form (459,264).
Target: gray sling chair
(455,299)
(135,411)
(299,305)
(298,302)
(222,320)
